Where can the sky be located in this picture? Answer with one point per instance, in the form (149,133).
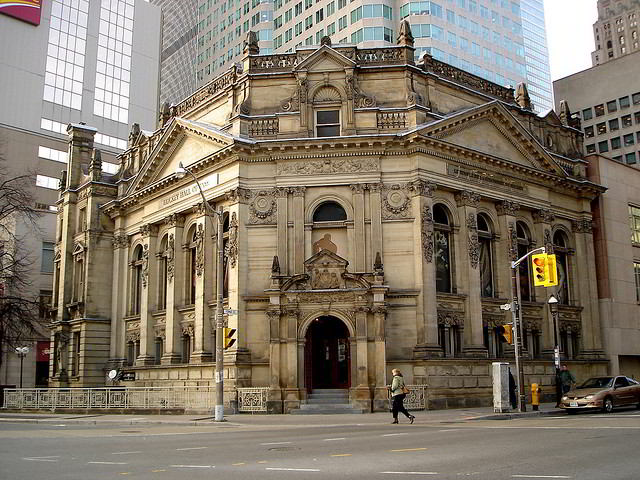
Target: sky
(569,35)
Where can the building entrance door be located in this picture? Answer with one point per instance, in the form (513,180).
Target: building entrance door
(327,359)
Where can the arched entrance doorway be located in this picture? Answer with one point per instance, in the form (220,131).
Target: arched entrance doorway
(327,359)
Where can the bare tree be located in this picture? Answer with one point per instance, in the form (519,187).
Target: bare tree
(19,317)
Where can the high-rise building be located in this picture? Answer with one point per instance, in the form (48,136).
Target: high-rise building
(500,40)
(69,62)
(179,49)
(616,30)
(536,54)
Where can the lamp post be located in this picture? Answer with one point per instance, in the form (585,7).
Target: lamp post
(22,352)
(219,372)
(553,307)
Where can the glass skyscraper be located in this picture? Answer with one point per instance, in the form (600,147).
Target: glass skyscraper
(536,54)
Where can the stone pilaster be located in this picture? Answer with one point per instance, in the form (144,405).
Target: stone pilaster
(427,312)
(120,298)
(469,279)
(375,203)
(282,229)
(149,287)
(357,191)
(204,281)
(586,290)
(298,229)
(543,220)
(175,290)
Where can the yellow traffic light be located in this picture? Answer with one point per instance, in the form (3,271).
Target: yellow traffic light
(228,337)
(506,331)
(544,270)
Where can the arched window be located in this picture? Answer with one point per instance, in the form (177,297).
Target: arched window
(524,245)
(329,212)
(485,236)
(442,247)
(136,281)
(192,255)
(561,250)
(164,277)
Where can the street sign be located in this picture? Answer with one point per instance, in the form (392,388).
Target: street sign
(230,312)
(506,306)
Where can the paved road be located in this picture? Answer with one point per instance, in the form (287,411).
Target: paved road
(584,447)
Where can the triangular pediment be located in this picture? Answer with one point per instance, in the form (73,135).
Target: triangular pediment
(325,59)
(492,130)
(183,141)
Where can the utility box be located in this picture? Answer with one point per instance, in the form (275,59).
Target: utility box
(500,377)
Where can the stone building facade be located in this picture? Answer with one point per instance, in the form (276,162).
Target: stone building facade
(371,208)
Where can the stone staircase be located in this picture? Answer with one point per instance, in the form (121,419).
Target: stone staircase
(326,401)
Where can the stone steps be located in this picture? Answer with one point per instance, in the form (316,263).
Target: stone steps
(327,402)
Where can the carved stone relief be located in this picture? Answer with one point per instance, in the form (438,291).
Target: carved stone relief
(395,202)
(324,278)
(120,240)
(328,166)
(474,244)
(199,241)
(263,207)
(582,225)
(170,254)
(427,234)
(360,99)
(231,249)
(507,207)
(513,241)
(449,319)
(548,241)
(145,265)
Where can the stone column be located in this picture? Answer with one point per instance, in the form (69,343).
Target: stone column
(585,289)
(427,309)
(291,380)
(469,278)
(362,364)
(543,220)
(175,289)
(298,229)
(149,287)
(357,191)
(376,221)
(120,299)
(283,229)
(507,248)
(204,281)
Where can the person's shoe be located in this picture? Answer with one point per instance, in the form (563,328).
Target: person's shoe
(411,418)
(395,421)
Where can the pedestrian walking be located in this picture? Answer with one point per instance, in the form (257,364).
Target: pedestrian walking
(513,398)
(566,379)
(398,391)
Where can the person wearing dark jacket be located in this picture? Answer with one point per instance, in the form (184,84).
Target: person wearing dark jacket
(397,396)
(513,398)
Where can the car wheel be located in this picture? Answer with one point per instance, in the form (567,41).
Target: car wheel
(607,405)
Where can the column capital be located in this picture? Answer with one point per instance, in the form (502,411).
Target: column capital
(358,188)
(467,198)
(238,195)
(544,215)
(582,225)
(174,220)
(120,240)
(422,188)
(298,191)
(148,230)
(507,207)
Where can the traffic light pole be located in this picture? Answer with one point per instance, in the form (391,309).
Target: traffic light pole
(516,315)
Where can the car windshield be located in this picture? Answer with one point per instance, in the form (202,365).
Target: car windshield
(597,382)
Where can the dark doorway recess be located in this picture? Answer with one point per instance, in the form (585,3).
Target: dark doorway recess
(326,354)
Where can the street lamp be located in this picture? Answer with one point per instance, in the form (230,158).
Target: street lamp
(553,307)
(22,352)
(181,171)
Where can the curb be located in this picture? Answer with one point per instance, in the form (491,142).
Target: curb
(514,415)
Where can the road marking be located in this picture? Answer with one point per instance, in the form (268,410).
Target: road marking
(333,439)
(276,443)
(37,459)
(394,434)
(408,449)
(238,464)
(262,461)
(192,466)
(341,454)
(191,448)
(278,469)
(125,453)
(108,463)
(159,470)
(540,476)
(125,473)
(412,473)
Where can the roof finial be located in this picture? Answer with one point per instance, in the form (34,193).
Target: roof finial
(522,96)
(251,44)
(405,38)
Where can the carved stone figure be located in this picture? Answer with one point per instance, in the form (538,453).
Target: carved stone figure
(474,244)
(231,249)
(199,241)
(427,234)
(145,265)
(170,257)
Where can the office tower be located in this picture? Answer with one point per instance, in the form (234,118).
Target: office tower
(500,40)
(83,62)
(616,30)
(536,54)
(179,49)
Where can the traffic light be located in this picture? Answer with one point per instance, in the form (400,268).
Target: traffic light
(544,270)
(228,337)
(506,331)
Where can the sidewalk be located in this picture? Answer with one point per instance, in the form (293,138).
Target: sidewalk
(262,420)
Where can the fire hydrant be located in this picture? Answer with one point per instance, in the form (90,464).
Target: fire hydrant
(536,394)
